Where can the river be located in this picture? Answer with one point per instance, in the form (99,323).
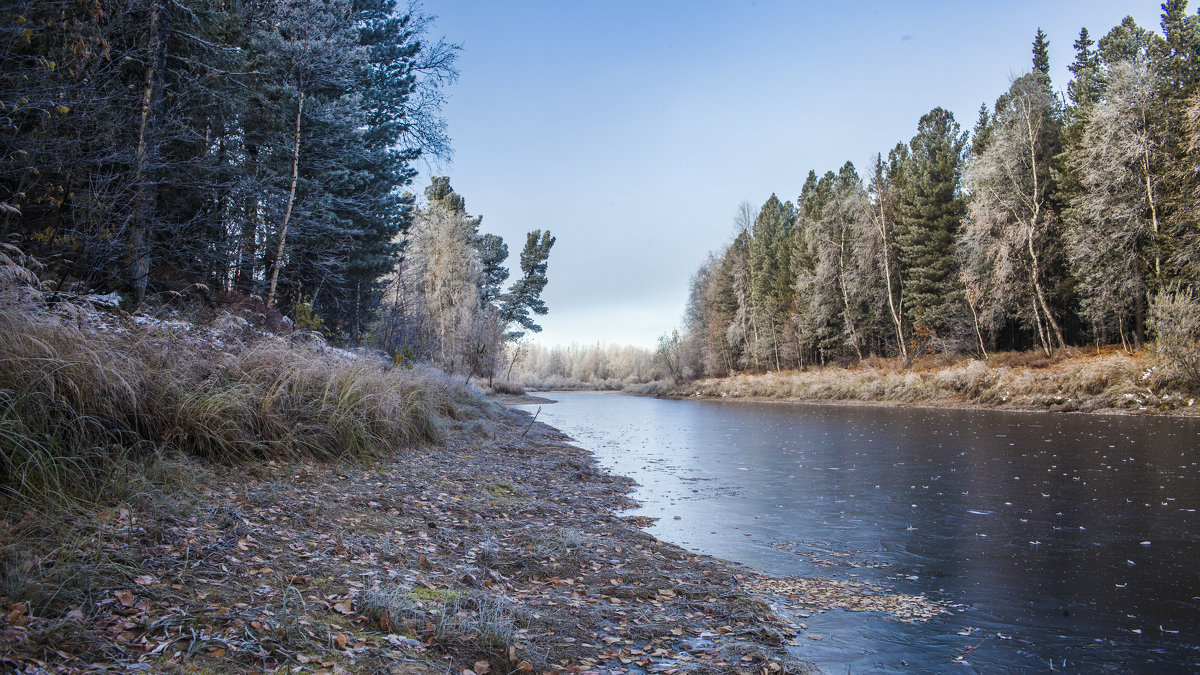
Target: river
(1065,542)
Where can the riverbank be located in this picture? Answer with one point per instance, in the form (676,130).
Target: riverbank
(499,550)
(1076,380)
(182,497)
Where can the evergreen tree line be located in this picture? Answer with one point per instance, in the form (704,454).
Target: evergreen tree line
(237,148)
(1060,219)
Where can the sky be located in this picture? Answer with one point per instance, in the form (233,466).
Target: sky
(632,130)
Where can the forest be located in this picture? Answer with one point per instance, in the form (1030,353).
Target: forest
(1059,219)
(254,156)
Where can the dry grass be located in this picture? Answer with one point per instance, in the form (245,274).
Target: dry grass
(502,387)
(479,621)
(79,406)
(1075,379)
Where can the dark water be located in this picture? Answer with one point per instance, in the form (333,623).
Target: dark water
(1069,542)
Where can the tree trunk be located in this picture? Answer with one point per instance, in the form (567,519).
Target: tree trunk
(1153,206)
(145,189)
(775,344)
(287,213)
(978,332)
(248,245)
(1139,320)
(846,295)
(887,275)
(1040,297)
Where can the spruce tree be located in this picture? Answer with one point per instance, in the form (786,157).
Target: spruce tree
(929,211)
(1085,85)
(1041,54)
(770,276)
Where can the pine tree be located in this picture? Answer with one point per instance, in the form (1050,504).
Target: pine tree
(1124,42)
(929,211)
(1176,58)
(525,295)
(1085,87)
(770,277)
(1041,55)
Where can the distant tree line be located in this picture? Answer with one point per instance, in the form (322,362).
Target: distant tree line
(1059,220)
(240,148)
(576,366)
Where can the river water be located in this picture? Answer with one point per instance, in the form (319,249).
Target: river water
(1065,542)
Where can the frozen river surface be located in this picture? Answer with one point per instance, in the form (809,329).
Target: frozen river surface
(1069,542)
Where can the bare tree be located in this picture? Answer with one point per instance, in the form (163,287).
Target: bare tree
(1010,215)
(880,246)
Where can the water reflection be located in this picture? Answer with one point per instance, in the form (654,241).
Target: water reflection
(1064,539)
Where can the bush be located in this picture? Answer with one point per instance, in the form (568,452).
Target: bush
(1175,321)
(502,387)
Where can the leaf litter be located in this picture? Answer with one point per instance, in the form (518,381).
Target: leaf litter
(499,551)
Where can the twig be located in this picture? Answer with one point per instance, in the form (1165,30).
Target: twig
(530,425)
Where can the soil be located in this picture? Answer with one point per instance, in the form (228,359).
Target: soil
(502,550)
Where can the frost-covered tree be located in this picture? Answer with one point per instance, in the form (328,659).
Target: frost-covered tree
(879,241)
(443,268)
(1011,221)
(1115,238)
(842,285)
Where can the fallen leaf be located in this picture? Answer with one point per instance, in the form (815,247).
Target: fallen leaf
(525,667)
(482,668)
(217,653)
(344,607)
(125,597)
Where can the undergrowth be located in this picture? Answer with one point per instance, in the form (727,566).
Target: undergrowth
(80,406)
(1076,379)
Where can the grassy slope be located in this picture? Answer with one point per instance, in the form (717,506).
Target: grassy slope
(1074,380)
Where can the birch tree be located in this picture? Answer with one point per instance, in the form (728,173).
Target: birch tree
(1010,214)
(880,240)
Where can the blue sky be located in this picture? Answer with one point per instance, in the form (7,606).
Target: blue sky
(632,130)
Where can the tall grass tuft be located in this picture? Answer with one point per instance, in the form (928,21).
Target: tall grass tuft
(77,405)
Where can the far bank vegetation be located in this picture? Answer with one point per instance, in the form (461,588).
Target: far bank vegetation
(1051,253)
